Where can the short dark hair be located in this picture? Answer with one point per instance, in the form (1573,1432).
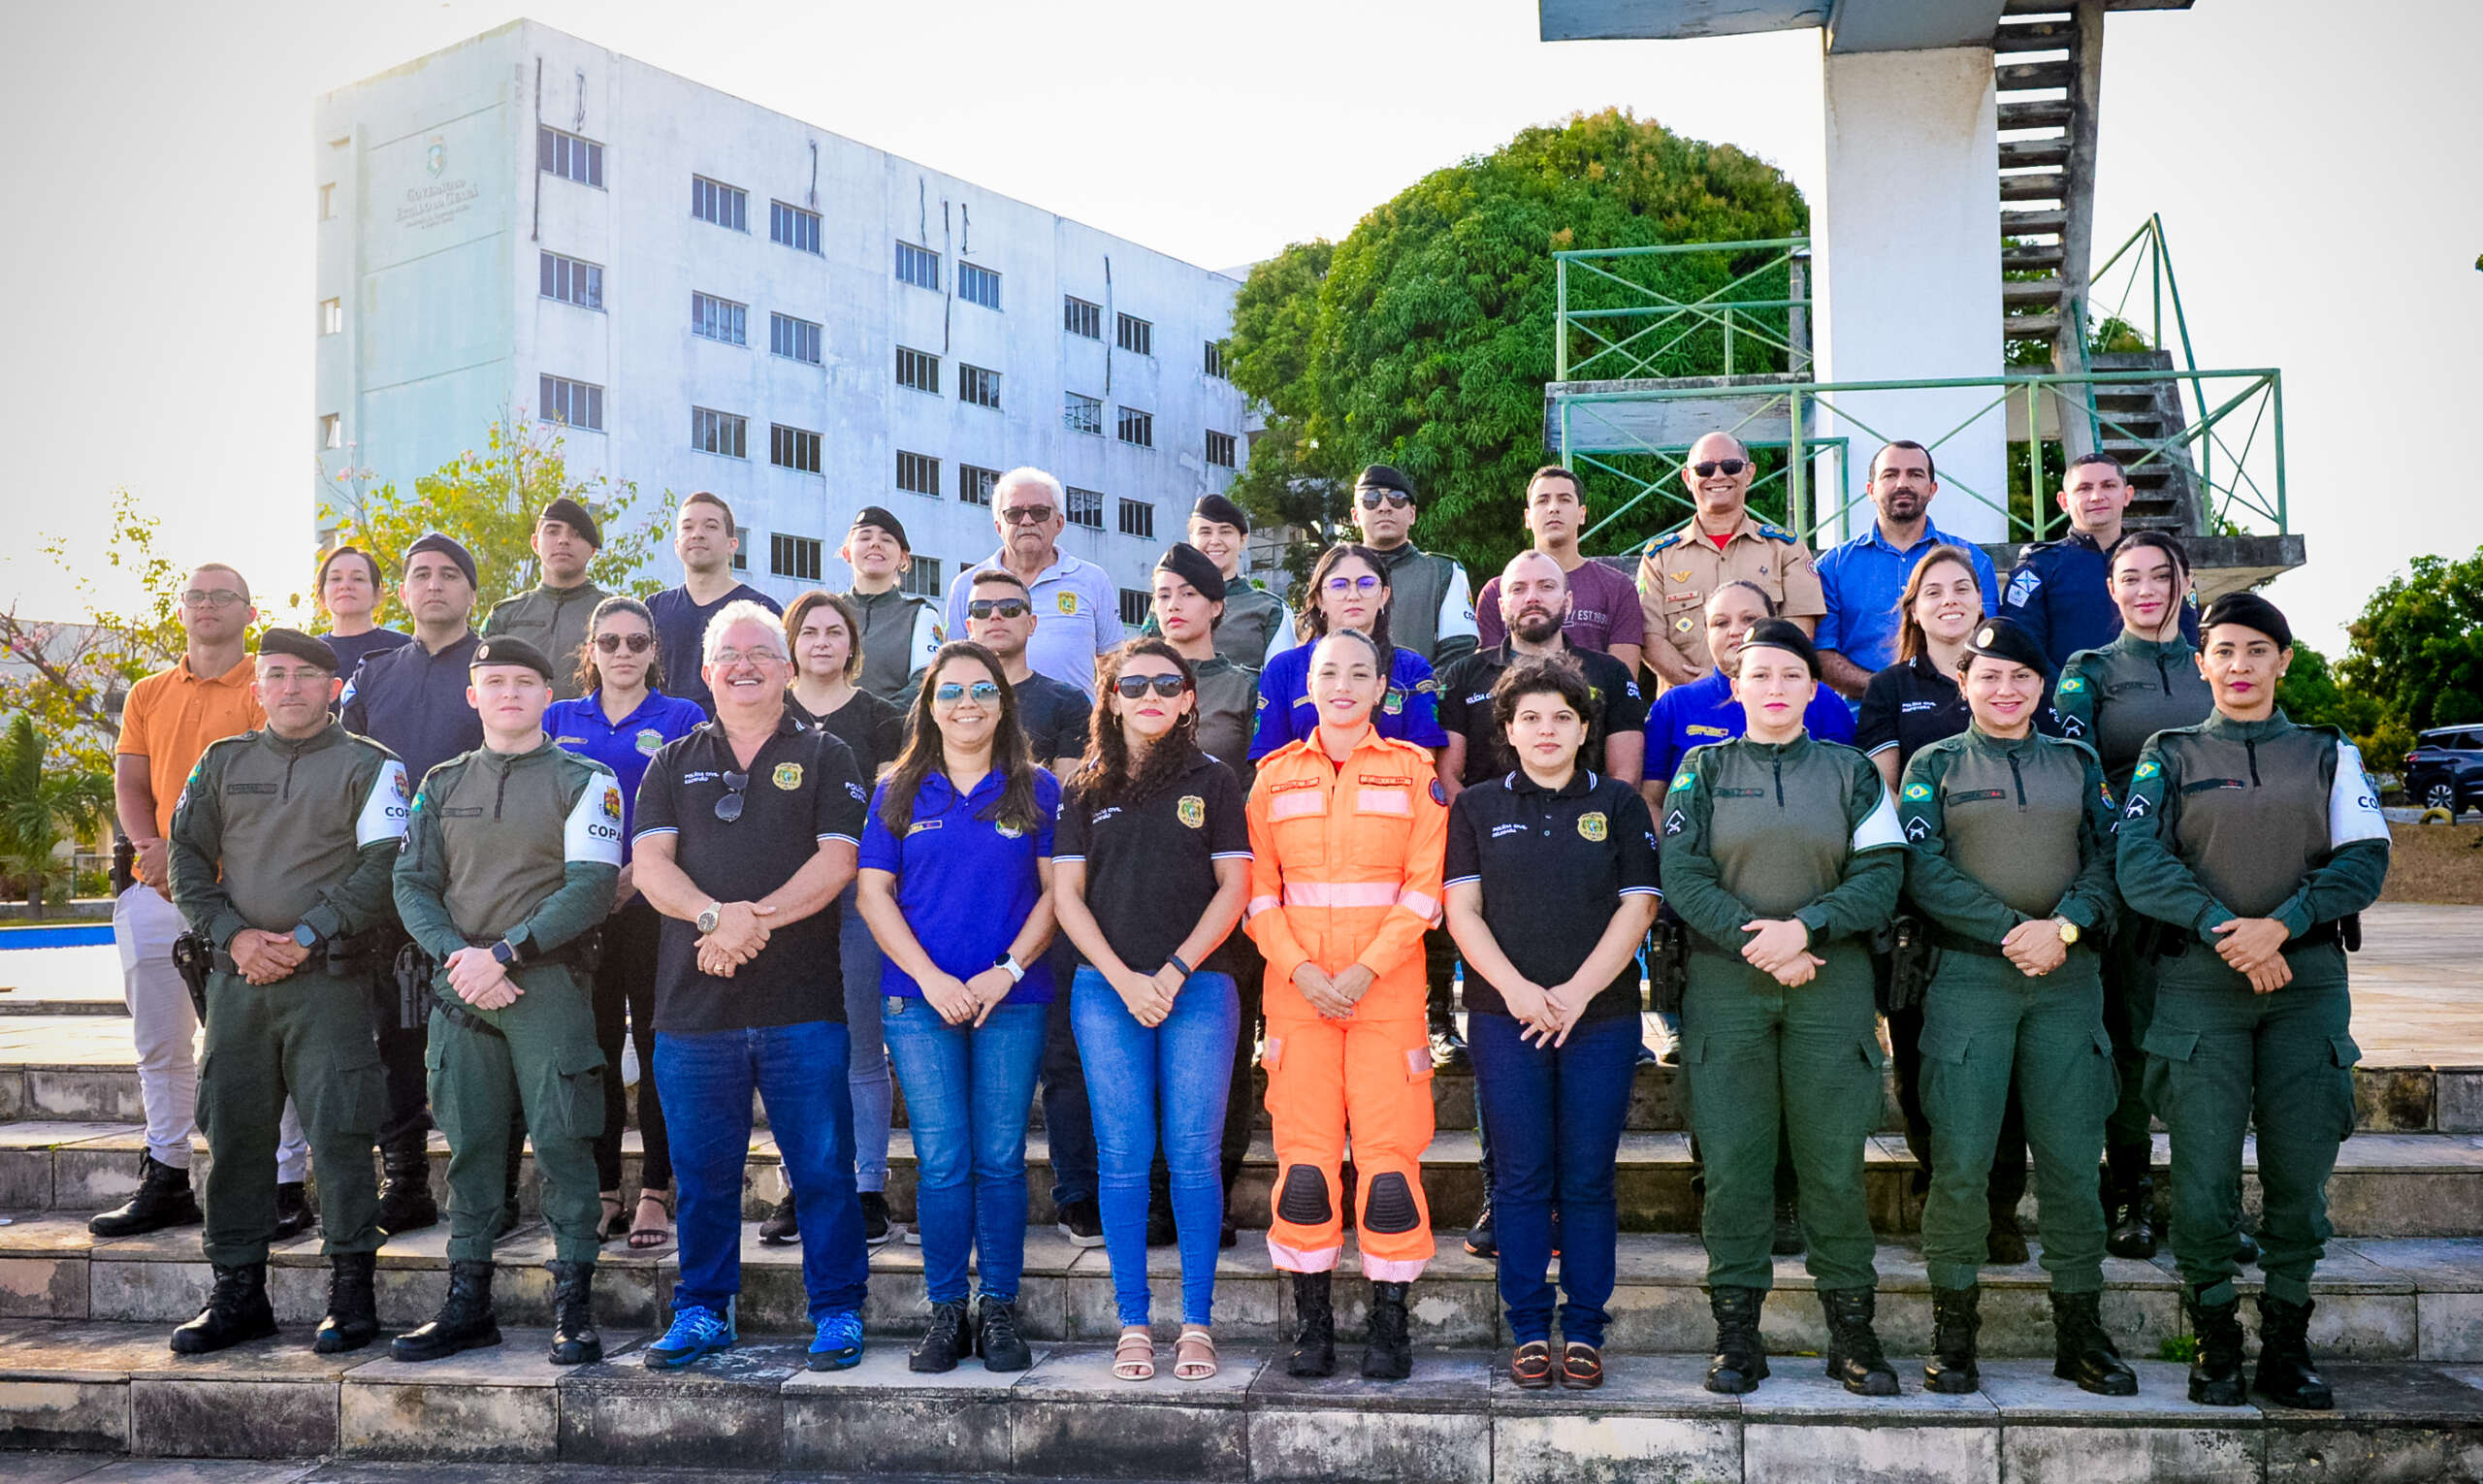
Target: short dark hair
(842,607)
(1928,463)
(1539,677)
(2098,457)
(711,497)
(996,574)
(1556,472)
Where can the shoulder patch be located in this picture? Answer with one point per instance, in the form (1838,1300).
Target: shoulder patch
(1918,791)
(1777,533)
(1660,543)
(1439,794)
(1682,781)
(2144,771)
(2071,684)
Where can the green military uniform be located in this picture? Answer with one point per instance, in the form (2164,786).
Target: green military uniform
(2262,818)
(1227,714)
(522,849)
(901,633)
(1797,829)
(1246,632)
(2004,832)
(290,837)
(554,620)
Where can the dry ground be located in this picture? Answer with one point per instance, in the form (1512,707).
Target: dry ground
(2436,863)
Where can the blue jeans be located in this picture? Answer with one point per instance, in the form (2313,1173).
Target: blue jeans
(1180,1070)
(1555,1119)
(705,1080)
(967,1094)
(873,1094)
(1069,1120)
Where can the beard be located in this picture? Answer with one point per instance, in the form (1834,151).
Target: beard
(1536,627)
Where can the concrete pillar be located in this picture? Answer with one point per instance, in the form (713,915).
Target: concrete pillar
(1906,238)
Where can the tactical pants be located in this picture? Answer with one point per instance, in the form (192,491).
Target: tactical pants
(1367,1076)
(1762,1059)
(1988,1029)
(2218,1058)
(2129,1004)
(537,1055)
(307,1037)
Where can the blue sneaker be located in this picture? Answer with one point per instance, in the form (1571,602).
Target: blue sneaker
(839,1342)
(694,1332)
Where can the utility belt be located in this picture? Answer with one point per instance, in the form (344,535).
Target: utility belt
(458,1012)
(1668,963)
(1947,939)
(416,973)
(2346,932)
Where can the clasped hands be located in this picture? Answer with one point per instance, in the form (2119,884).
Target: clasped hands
(738,937)
(1150,996)
(2255,949)
(480,980)
(1333,995)
(959,1001)
(263,957)
(1781,948)
(2034,948)
(1545,1016)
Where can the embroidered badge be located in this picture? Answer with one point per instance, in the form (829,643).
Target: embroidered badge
(650,742)
(1918,791)
(1009,831)
(1191,811)
(788,776)
(612,804)
(1591,825)
(1069,602)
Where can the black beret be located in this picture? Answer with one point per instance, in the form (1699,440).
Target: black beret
(2250,611)
(1191,566)
(501,649)
(569,512)
(294,644)
(440,542)
(1222,511)
(874,515)
(1384,476)
(1787,635)
(2000,638)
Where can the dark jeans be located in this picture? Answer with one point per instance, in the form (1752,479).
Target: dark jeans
(624,1000)
(799,1071)
(1069,1122)
(1554,1117)
(967,1090)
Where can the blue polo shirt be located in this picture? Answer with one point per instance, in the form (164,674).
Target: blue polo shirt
(1704,710)
(1077,616)
(625,745)
(1409,712)
(964,885)
(1862,581)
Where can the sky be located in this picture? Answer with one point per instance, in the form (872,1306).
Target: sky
(2316,179)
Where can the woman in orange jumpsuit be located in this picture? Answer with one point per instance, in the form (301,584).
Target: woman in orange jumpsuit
(1347,829)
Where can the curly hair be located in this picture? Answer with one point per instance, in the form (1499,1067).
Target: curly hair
(1103,777)
(925,753)
(1539,677)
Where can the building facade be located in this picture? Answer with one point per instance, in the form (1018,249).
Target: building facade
(708,294)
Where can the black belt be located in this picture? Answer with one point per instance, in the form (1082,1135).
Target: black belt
(334,962)
(2317,935)
(448,1006)
(1943,936)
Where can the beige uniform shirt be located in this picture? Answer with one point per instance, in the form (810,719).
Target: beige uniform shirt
(1679,571)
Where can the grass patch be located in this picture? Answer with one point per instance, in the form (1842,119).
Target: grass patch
(2180,1349)
(2441,863)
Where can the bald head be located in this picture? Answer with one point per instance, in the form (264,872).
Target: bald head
(1717,473)
(1535,598)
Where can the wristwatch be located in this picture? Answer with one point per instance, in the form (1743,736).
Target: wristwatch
(304,935)
(2068,930)
(708,919)
(1009,962)
(505,953)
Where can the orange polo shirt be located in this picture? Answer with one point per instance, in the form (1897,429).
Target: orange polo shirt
(170,717)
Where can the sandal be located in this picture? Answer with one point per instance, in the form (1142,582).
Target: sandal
(1134,1356)
(1189,1368)
(609,1225)
(645,1234)
(1581,1366)
(1530,1364)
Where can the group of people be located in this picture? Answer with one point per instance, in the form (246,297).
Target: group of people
(865,842)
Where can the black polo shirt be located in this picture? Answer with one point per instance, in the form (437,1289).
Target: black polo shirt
(871,729)
(1151,865)
(1912,704)
(1466,706)
(1554,867)
(1053,715)
(802,789)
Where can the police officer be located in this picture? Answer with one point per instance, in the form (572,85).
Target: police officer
(1783,854)
(1723,543)
(1256,625)
(2058,589)
(1431,605)
(2255,842)
(2115,698)
(900,630)
(2010,860)
(280,853)
(511,858)
(554,615)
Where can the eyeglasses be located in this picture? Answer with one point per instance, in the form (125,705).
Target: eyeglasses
(1710,467)
(204,598)
(949,693)
(610,643)
(1025,515)
(999,607)
(728,808)
(1398,500)
(1366,583)
(1131,687)
(737,656)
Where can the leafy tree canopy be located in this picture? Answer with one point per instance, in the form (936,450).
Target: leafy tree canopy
(2418,646)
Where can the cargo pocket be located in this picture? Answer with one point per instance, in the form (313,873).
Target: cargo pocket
(2101,1042)
(1418,1063)
(349,1102)
(2168,1061)
(205,1097)
(1943,1042)
(1274,1056)
(581,1092)
(2342,1051)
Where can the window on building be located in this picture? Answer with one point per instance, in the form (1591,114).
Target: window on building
(917,473)
(979,285)
(795,339)
(332,316)
(1138,518)
(974,485)
(922,578)
(741,548)
(570,282)
(917,265)
(719,432)
(1137,428)
(1134,607)
(572,403)
(328,202)
(1136,335)
(719,319)
(793,448)
(1086,508)
(978,386)
(1215,359)
(792,556)
(793,226)
(568,156)
(1079,317)
(332,429)
(1219,449)
(918,370)
(728,207)
(1082,414)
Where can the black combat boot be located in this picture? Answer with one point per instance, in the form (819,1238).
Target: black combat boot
(947,1340)
(2083,1350)
(353,1304)
(1740,1362)
(574,1341)
(465,1322)
(2285,1375)
(235,1312)
(2215,1376)
(406,1203)
(1388,1348)
(1956,1317)
(2245,1250)
(2131,1209)
(1854,1354)
(1315,1339)
(995,1336)
(293,1214)
(163,1200)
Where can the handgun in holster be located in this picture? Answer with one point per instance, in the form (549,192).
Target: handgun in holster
(1668,964)
(193,957)
(413,975)
(2349,932)
(1906,944)
(124,864)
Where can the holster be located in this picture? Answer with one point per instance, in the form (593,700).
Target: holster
(1668,964)
(193,958)
(124,864)
(410,977)
(2349,932)
(1911,956)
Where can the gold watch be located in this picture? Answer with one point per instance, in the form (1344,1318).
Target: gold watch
(2068,930)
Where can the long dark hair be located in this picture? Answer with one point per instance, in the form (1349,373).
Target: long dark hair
(1315,618)
(926,754)
(590,679)
(1103,777)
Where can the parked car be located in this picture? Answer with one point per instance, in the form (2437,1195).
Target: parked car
(2445,769)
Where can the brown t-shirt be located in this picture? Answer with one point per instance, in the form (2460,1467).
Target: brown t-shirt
(170,717)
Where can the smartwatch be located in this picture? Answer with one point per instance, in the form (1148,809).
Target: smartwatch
(710,917)
(1009,962)
(505,953)
(304,935)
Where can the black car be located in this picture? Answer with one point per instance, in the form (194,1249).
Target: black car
(2445,769)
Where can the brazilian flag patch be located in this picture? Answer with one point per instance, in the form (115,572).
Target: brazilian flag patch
(2071,684)
(1918,791)
(2144,770)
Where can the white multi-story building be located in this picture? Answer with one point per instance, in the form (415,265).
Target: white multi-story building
(713,296)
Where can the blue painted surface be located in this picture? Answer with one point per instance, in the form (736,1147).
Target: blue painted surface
(66,935)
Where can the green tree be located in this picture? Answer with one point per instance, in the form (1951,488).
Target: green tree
(2310,696)
(70,677)
(44,801)
(2417,650)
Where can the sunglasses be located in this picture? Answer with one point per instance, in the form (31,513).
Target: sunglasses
(1366,583)
(1026,515)
(1131,687)
(1710,467)
(728,808)
(610,643)
(1398,500)
(999,607)
(949,693)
